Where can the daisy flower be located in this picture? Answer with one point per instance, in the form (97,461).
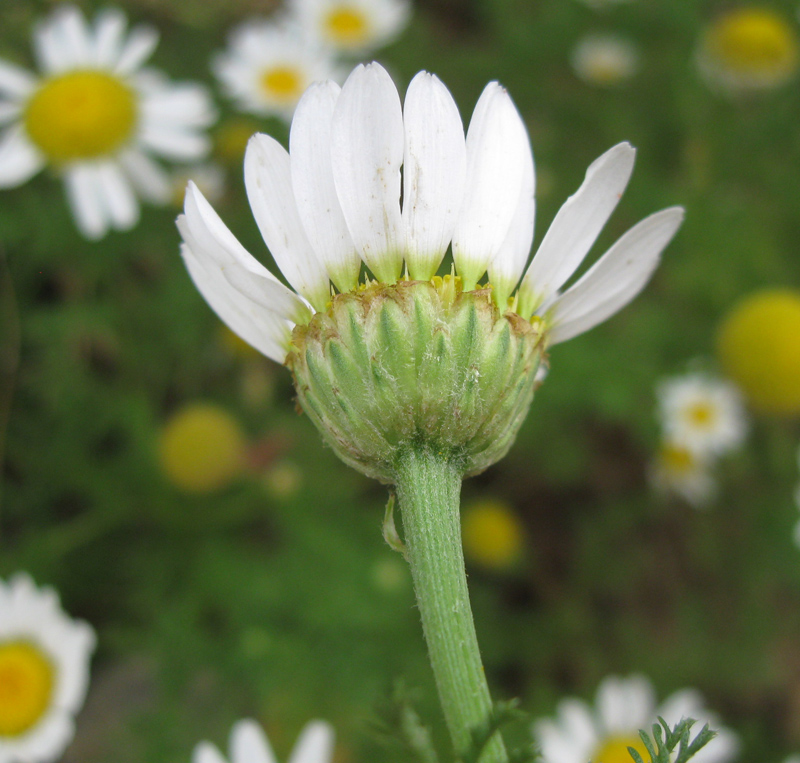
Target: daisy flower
(249,744)
(604,60)
(95,116)
(351,27)
(268,65)
(334,202)
(682,471)
(703,413)
(748,48)
(44,672)
(622,706)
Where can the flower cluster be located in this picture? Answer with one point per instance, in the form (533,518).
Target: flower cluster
(604,733)
(269,63)
(96,116)
(702,417)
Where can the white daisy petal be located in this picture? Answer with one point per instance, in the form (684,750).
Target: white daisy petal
(315,744)
(577,225)
(249,744)
(268,179)
(174,143)
(367,152)
(434,171)
(205,752)
(20,160)
(69,23)
(52,54)
(314,187)
(241,269)
(136,50)
(84,193)
(9,112)
(108,37)
(506,267)
(616,278)
(123,209)
(15,82)
(151,182)
(497,144)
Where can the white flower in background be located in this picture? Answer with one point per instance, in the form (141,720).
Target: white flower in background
(603,733)
(748,48)
(44,672)
(268,65)
(95,116)
(604,60)
(351,27)
(703,413)
(336,201)
(679,470)
(209,178)
(249,744)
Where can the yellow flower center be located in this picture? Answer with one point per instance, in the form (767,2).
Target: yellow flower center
(283,83)
(26,687)
(701,415)
(758,345)
(493,535)
(754,41)
(615,750)
(346,25)
(81,115)
(676,460)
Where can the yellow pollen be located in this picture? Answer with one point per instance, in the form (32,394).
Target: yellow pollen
(677,460)
(347,25)
(615,750)
(26,687)
(282,83)
(753,41)
(701,414)
(81,115)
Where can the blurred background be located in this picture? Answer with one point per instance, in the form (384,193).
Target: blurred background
(156,471)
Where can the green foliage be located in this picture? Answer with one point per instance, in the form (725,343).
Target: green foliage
(665,739)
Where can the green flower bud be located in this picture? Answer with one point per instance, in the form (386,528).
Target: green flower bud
(416,364)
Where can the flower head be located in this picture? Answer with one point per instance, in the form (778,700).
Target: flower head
(622,706)
(44,672)
(351,27)
(249,744)
(680,470)
(704,414)
(605,60)
(333,203)
(95,116)
(758,345)
(269,64)
(749,48)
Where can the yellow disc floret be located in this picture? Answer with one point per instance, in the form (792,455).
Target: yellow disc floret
(283,83)
(493,535)
(759,347)
(26,687)
(81,115)
(347,26)
(615,750)
(202,448)
(753,42)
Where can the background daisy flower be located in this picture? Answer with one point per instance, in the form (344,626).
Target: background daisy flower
(682,471)
(268,65)
(249,744)
(622,706)
(351,27)
(604,60)
(44,672)
(703,413)
(95,116)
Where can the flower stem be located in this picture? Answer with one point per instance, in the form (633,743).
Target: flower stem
(429,489)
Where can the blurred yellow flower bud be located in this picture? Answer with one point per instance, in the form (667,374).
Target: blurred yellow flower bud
(492,533)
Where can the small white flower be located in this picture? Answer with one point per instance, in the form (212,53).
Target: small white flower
(605,60)
(96,116)
(249,744)
(44,672)
(335,202)
(603,733)
(703,413)
(351,27)
(268,65)
(679,470)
